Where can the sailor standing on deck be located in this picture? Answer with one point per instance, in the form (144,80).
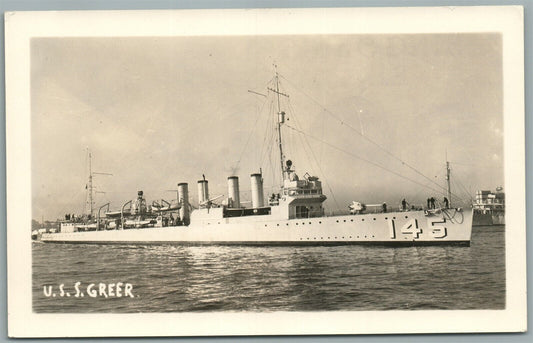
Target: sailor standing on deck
(404,205)
(446,203)
(138,205)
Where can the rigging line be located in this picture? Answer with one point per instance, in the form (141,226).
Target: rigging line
(467,192)
(268,151)
(457,182)
(71,201)
(368,161)
(363,136)
(314,157)
(263,87)
(457,197)
(454,194)
(268,148)
(266,136)
(305,144)
(250,135)
(265,145)
(455,186)
(271,168)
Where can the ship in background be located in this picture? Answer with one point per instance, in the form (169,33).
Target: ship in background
(489,208)
(292,215)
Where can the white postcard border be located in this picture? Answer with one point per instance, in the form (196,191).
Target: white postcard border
(22,26)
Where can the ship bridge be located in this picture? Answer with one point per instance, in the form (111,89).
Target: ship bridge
(302,198)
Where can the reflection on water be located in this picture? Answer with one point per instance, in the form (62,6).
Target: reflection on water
(167,278)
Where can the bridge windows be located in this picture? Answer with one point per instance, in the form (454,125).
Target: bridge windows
(302,211)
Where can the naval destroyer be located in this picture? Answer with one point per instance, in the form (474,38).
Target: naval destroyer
(293,216)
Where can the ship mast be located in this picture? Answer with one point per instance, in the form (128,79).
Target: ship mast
(90,200)
(448,182)
(90,187)
(281,120)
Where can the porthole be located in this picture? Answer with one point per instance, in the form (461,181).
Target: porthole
(350,236)
(345,220)
(328,238)
(374,218)
(287,224)
(351,220)
(406,217)
(386,218)
(335,237)
(372,236)
(309,223)
(393,217)
(319,222)
(314,238)
(363,219)
(296,223)
(277,224)
(337,221)
(265,225)
(303,223)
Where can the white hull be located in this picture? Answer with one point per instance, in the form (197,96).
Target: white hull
(401,228)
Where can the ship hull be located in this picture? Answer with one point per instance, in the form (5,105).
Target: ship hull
(488,219)
(396,228)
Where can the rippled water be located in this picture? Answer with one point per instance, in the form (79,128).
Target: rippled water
(167,278)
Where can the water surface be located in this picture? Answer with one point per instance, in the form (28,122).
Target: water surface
(171,278)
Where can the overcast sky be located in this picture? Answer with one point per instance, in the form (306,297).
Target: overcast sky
(158,111)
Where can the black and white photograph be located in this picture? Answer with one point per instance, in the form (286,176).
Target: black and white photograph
(278,168)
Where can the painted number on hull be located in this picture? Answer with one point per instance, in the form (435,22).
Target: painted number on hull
(436,228)
(411,227)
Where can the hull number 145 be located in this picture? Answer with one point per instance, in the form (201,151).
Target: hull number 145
(436,228)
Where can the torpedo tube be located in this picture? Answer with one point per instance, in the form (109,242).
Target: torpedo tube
(183,197)
(257,190)
(233,192)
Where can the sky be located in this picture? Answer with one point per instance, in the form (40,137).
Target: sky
(374,116)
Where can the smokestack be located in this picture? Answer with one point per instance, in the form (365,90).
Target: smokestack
(233,192)
(183,197)
(203,192)
(257,190)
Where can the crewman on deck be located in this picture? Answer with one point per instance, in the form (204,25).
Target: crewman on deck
(446,203)
(404,205)
(138,206)
(384,207)
(432,200)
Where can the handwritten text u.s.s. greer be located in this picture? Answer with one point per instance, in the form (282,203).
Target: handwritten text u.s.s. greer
(93,290)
